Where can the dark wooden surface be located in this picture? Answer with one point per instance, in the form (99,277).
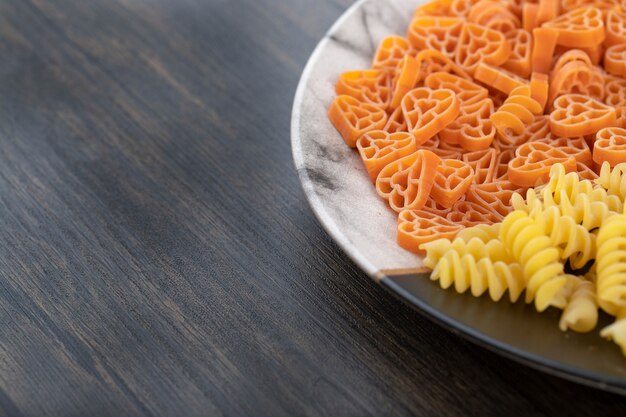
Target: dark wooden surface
(158,257)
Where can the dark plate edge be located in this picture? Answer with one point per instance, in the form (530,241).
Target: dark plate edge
(599,381)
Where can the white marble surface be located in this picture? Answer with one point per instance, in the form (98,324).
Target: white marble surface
(333,177)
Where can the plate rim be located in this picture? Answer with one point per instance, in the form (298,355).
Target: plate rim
(568,372)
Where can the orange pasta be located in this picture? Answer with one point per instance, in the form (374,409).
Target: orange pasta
(438,33)
(466,91)
(472,129)
(390,52)
(379,148)
(353,118)
(579,115)
(533,161)
(577,77)
(582,27)
(498,78)
(483,163)
(406,77)
(428,111)
(406,183)
(395,122)
(615,60)
(494,196)
(615,27)
(452,180)
(420,226)
(366,86)
(539,88)
(432,61)
(544,44)
(479,44)
(480,101)
(610,146)
(519,61)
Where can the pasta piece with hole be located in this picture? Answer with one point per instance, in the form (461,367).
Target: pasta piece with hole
(379,148)
(353,119)
(406,183)
(428,111)
(369,86)
(580,115)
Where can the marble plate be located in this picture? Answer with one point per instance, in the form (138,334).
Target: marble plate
(346,204)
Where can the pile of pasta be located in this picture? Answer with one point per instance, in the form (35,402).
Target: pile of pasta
(563,245)
(486,101)
(479,101)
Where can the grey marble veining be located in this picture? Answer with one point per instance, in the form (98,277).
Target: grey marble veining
(334,179)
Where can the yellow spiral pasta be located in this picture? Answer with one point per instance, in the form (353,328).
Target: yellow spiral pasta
(484,232)
(436,249)
(563,184)
(581,311)
(591,210)
(476,266)
(582,222)
(611,264)
(613,180)
(572,239)
(617,331)
(529,245)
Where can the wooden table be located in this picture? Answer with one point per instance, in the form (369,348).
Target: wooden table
(158,257)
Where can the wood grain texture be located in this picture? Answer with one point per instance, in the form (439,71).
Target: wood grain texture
(157,255)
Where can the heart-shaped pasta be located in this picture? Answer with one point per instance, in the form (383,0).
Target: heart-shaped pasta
(445,150)
(371,86)
(395,122)
(472,129)
(479,44)
(407,182)
(438,33)
(483,163)
(379,148)
(576,147)
(452,181)
(494,196)
(610,146)
(579,115)
(390,52)
(501,172)
(420,226)
(432,61)
(468,92)
(582,27)
(470,214)
(533,161)
(493,15)
(428,111)
(352,118)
